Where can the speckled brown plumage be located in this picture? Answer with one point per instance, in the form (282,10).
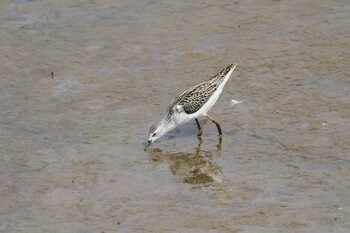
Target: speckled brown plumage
(194,98)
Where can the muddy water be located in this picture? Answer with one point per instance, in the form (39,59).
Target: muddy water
(82,81)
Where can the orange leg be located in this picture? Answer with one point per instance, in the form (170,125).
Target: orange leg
(199,128)
(216,123)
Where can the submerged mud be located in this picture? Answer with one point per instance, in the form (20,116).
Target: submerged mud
(82,82)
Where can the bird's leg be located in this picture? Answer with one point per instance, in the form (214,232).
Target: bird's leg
(199,129)
(220,143)
(199,144)
(216,123)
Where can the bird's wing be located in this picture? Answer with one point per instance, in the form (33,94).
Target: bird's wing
(173,106)
(193,99)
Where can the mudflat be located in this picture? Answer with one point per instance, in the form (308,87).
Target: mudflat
(81,82)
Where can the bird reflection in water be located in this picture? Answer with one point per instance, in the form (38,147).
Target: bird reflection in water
(193,168)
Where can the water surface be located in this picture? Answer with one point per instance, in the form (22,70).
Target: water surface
(81,83)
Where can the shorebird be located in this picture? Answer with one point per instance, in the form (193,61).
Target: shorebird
(191,104)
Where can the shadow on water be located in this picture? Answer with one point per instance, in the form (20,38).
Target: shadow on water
(195,168)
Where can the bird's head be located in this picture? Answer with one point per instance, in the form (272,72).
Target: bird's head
(153,134)
(158,130)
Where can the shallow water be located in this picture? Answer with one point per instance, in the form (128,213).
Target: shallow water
(81,83)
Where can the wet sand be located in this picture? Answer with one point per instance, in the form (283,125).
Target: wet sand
(82,82)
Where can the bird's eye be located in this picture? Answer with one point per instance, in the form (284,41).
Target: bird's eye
(154,134)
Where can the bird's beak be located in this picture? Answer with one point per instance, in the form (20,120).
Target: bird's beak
(149,142)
